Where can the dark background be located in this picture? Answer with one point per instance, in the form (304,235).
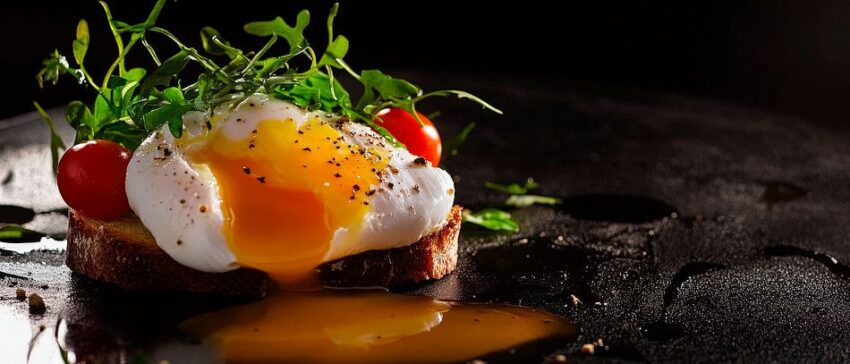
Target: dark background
(788,56)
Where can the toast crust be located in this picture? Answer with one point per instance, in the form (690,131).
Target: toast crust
(124,253)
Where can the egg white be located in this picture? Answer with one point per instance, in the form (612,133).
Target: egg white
(168,191)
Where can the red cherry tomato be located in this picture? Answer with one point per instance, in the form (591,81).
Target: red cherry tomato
(422,140)
(91,179)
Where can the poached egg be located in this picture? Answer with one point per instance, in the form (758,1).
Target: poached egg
(269,185)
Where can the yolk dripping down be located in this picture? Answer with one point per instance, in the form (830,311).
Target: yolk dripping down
(286,189)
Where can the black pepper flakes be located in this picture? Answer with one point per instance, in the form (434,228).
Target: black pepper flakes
(209,125)
(307,149)
(356,187)
(337,175)
(182,201)
(261,179)
(390,185)
(416,188)
(179,242)
(202,208)
(246,169)
(370,192)
(419,161)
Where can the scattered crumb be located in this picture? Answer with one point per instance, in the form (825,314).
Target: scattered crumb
(560,358)
(574,301)
(37,305)
(20,294)
(588,349)
(477,361)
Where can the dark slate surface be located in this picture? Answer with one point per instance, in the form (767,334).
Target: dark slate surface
(691,231)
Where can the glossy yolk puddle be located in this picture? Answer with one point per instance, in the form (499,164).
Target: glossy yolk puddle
(370,326)
(285,190)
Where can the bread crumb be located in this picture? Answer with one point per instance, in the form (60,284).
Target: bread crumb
(36,303)
(560,358)
(588,349)
(20,294)
(574,301)
(599,342)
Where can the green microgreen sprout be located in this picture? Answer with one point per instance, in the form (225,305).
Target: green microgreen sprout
(130,103)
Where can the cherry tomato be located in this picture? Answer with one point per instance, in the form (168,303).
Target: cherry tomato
(91,179)
(422,140)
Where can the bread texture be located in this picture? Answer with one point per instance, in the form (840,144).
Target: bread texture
(124,253)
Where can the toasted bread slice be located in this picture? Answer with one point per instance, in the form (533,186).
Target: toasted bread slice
(124,253)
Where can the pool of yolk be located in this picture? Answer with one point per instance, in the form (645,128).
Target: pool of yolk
(286,190)
(371,327)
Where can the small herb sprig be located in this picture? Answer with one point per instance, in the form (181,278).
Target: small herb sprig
(130,103)
(498,220)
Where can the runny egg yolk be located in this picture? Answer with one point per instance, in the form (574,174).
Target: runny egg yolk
(286,190)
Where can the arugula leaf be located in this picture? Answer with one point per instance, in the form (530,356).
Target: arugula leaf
(213,43)
(78,115)
(461,95)
(519,194)
(513,188)
(102,112)
(123,133)
(163,75)
(81,44)
(528,200)
(493,219)
(170,109)
(135,74)
(56,143)
(293,35)
(315,93)
(337,48)
(14,233)
(386,87)
(453,144)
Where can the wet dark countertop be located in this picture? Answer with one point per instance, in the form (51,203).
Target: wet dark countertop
(691,230)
